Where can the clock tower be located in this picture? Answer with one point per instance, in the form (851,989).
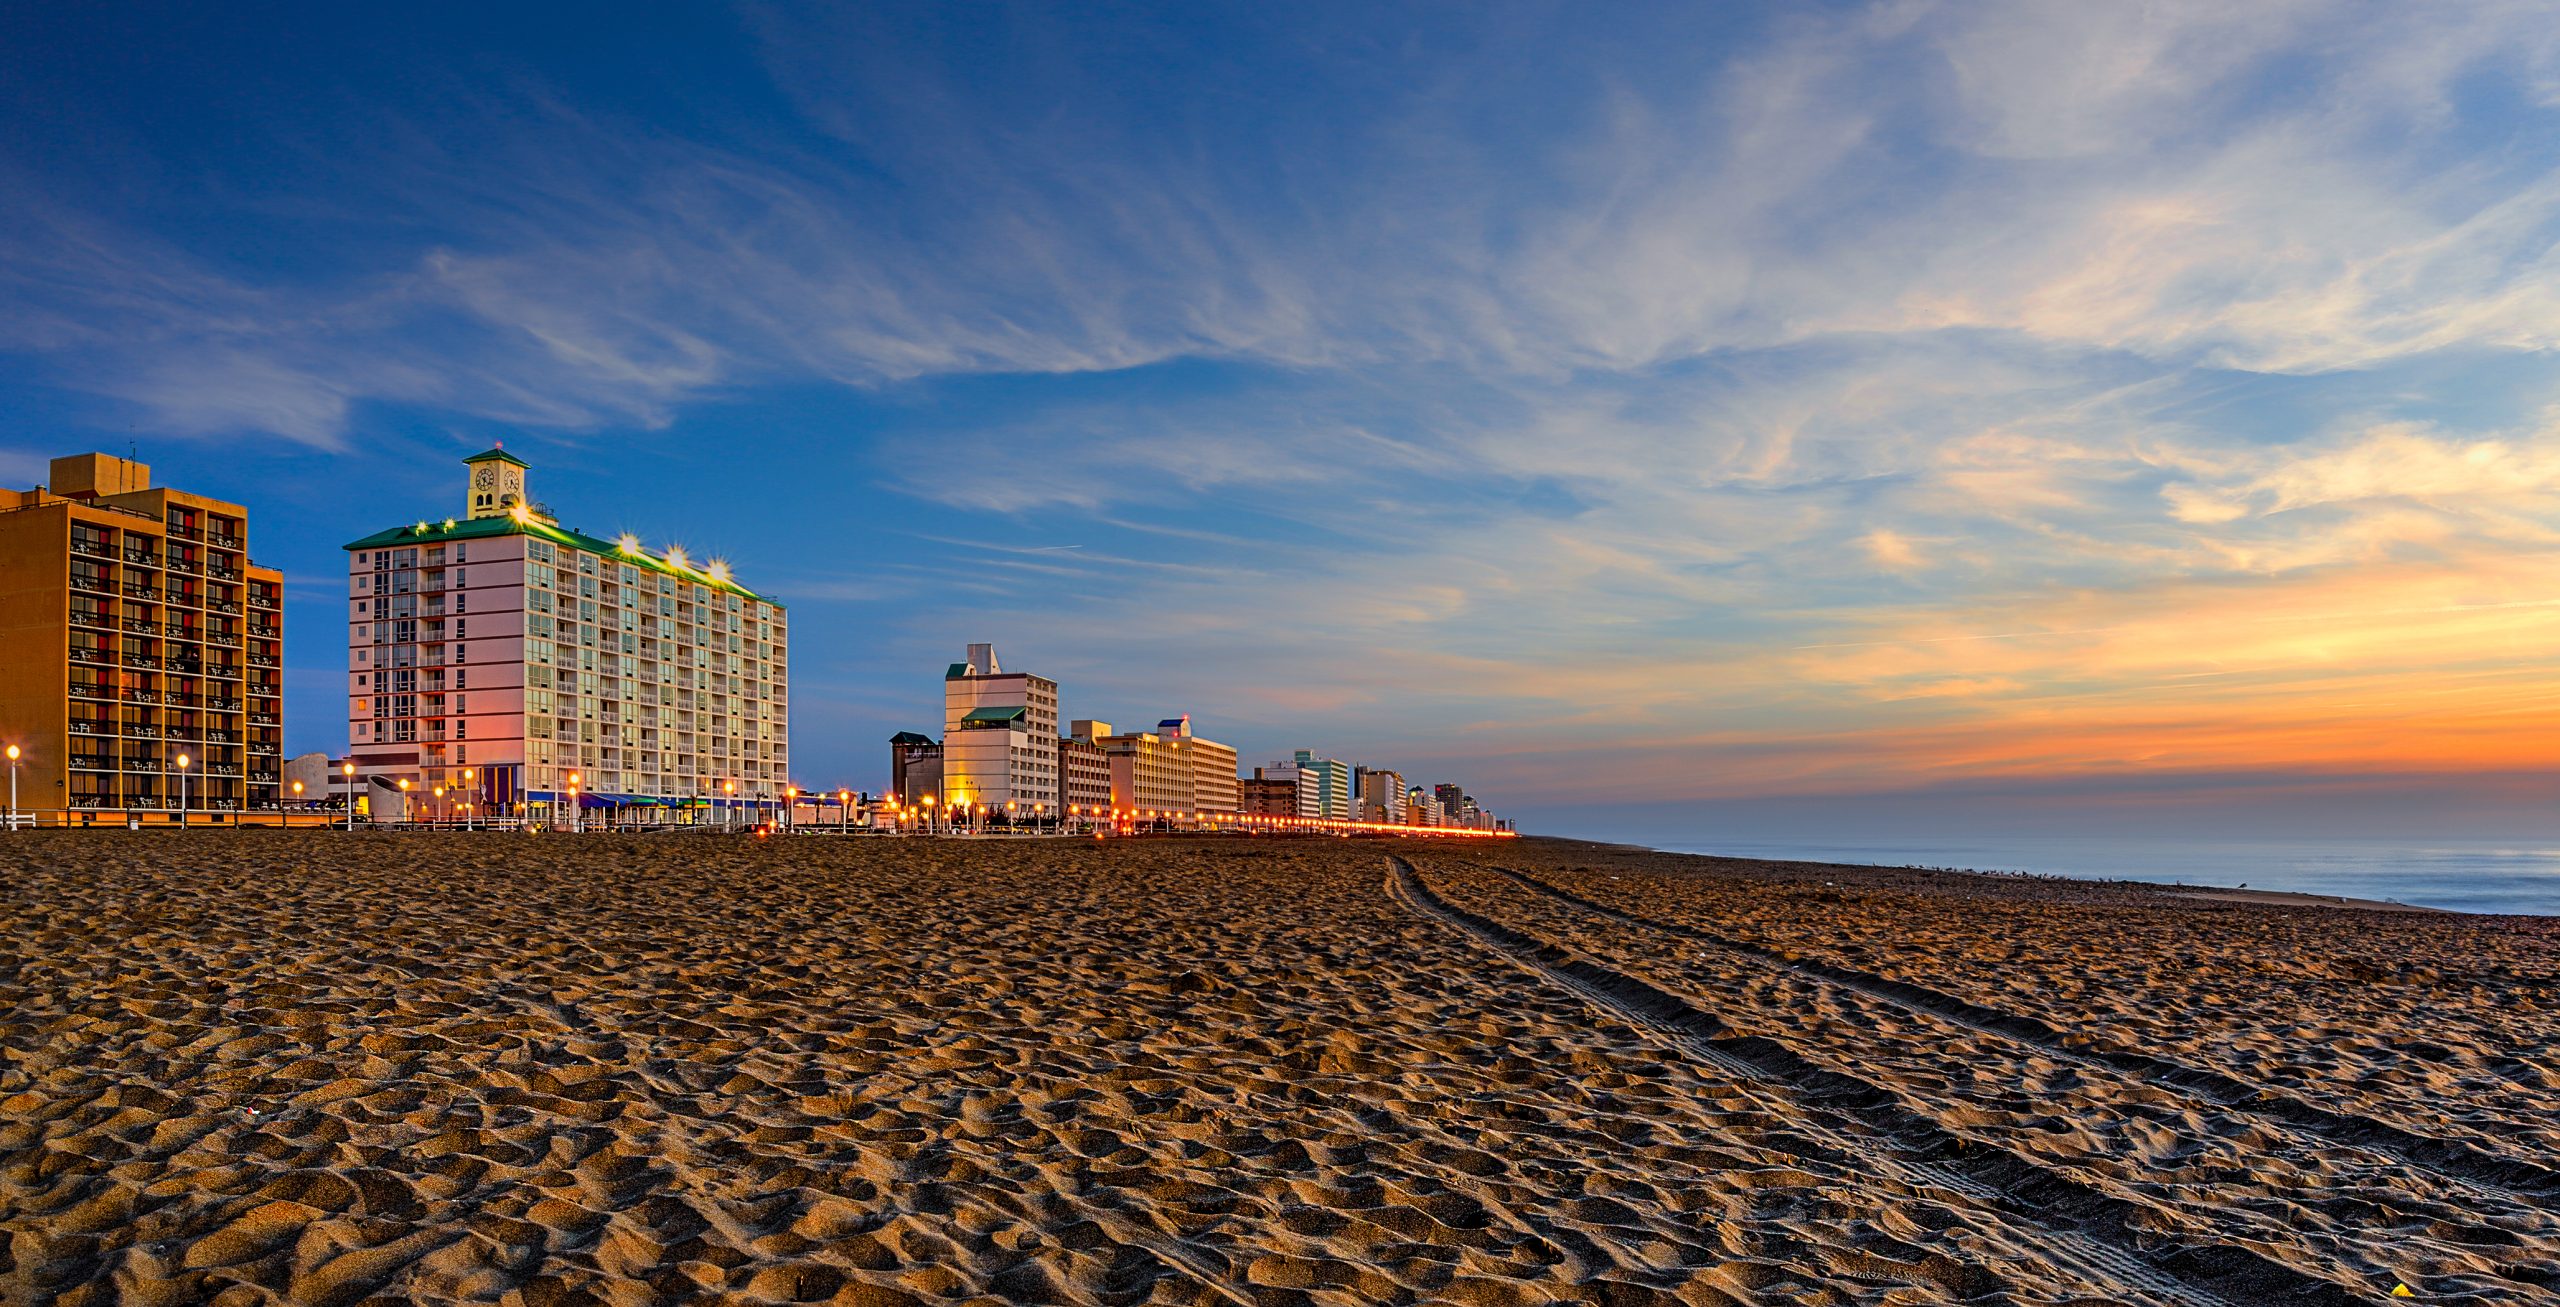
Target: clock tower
(497,482)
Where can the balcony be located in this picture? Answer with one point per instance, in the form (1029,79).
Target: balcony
(141,590)
(92,580)
(265,630)
(263,660)
(222,703)
(263,719)
(223,542)
(139,731)
(80,655)
(257,600)
(226,607)
(84,726)
(220,737)
(222,769)
(220,573)
(94,549)
(85,690)
(138,558)
(227,671)
(141,626)
(92,617)
(181,531)
(140,762)
(140,660)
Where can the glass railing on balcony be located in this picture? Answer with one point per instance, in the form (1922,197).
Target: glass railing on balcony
(140,660)
(141,590)
(220,737)
(220,573)
(222,703)
(223,541)
(138,558)
(93,762)
(226,607)
(141,626)
(139,730)
(181,531)
(87,726)
(92,690)
(227,671)
(262,719)
(259,599)
(92,579)
(80,655)
(262,660)
(264,630)
(93,548)
(92,617)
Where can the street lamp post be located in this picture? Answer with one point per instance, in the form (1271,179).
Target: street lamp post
(404,801)
(844,811)
(577,819)
(928,814)
(13,787)
(467,806)
(348,770)
(730,818)
(791,808)
(438,810)
(183,760)
(297,794)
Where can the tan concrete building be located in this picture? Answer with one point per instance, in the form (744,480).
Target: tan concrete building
(536,658)
(134,630)
(1084,776)
(1147,773)
(1214,784)
(999,736)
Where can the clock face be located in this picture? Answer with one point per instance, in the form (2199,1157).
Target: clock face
(486,477)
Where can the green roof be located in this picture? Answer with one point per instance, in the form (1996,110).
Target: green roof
(994,716)
(478,528)
(958,671)
(910,737)
(498,452)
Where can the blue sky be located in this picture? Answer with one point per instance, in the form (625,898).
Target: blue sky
(1808,414)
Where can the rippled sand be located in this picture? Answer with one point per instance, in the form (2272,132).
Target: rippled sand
(321,1068)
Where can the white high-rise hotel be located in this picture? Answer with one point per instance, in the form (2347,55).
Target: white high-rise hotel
(502,644)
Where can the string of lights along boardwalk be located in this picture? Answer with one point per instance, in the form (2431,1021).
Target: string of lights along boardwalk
(502,664)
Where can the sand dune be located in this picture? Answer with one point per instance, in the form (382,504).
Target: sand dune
(320,1068)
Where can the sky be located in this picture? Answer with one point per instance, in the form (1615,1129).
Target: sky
(1662,420)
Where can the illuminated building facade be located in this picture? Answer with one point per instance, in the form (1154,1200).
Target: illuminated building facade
(537,658)
(134,631)
(999,735)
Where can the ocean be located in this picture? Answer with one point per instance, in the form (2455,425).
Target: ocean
(2463,875)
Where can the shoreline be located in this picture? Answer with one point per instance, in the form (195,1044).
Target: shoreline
(2192,889)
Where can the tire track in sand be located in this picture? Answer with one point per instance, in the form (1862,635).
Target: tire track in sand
(2013,1190)
(2519,1181)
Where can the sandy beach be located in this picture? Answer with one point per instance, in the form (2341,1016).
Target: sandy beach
(321,1068)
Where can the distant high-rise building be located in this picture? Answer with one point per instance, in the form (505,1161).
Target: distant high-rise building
(1214,784)
(1270,796)
(1305,782)
(1148,772)
(1084,774)
(135,631)
(1333,784)
(538,659)
(915,766)
(999,735)
(1381,795)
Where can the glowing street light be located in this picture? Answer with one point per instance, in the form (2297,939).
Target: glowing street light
(466,808)
(577,819)
(13,787)
(348,770)
(844,810)
(183,760)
